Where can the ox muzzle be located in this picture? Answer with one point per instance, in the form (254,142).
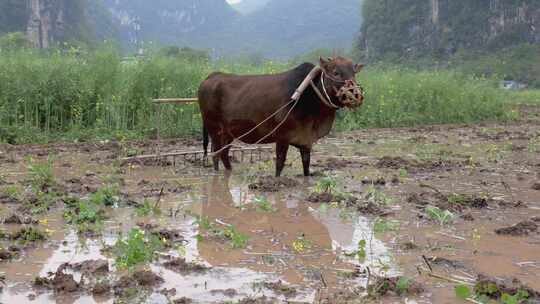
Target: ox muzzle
(351,95)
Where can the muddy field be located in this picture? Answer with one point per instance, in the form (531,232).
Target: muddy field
(410,213)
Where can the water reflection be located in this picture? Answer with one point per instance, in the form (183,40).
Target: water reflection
(269,256)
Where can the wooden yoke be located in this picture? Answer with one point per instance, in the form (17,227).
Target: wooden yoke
(307,81)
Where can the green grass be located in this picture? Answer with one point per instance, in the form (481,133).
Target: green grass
(29,235)
(443,217)
(41,174)
(147,208)
(72,96)
(137,248)
(86,216)
(106,196)
(528,97)
(398,97)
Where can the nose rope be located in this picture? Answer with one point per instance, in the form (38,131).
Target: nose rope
(326,101)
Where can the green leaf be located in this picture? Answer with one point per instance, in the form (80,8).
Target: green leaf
(462,291)
(403,284)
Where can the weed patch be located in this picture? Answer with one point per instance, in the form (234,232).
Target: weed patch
(137,248)
(29,235)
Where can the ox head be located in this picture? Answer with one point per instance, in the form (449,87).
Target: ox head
(340,75)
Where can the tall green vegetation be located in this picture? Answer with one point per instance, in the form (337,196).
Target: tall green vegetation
(61,92)
(397,97)
(73,94)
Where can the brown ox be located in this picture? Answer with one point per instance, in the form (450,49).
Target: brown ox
(233,105)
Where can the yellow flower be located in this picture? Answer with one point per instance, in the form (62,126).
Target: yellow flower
(44,222)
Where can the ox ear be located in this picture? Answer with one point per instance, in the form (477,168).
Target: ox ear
(358,67)
(324,63)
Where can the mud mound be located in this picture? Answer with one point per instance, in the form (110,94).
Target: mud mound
(333,163)
(520,229)
(226,292)
(19,219)
(457,203)
(183,300)
(383,286)
(92,267)
(101,288)
(379,181)
(181,266)
(7,199)
(141,278)
(494,288)
(370,208)
(415,166)
(59,281)
(324,197)
(273,184)
(281,289)
(260,300)
(393,163)
(9,253)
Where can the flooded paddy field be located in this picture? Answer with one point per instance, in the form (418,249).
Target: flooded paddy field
(420,215)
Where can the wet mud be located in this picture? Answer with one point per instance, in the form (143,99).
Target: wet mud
(391,216)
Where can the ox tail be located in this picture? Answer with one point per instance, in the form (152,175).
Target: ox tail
(205,140)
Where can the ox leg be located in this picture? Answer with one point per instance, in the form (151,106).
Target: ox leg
(281,156)
(306,159)
(215,158)
(225,159)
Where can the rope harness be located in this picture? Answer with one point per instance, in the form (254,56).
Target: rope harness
(349,94)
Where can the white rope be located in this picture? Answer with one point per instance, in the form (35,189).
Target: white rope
(326,93)
(326,101)
(267,119)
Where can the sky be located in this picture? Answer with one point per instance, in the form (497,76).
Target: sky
(234,1)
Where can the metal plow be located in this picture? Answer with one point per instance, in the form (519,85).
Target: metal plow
(176,158)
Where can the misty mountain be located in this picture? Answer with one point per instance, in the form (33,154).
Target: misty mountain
(168,22)
(283,28)
(273,28)
(416,28)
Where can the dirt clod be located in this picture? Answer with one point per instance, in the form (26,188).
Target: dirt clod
(147,278)
(231,292)
(19,219)
(519,229)
(536,186)
(260,300)
(183,300)
(59,281)
(101,288)
(383,286)
(180,265)
(6,254)
(273,184)
(141,278)
(324,197)
(92,267)
(495,288)
(281,289)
